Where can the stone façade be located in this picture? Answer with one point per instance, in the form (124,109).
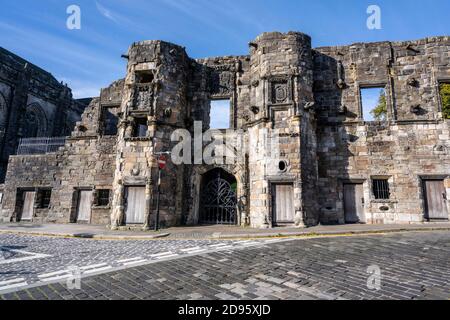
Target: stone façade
(32,104)
(310,97)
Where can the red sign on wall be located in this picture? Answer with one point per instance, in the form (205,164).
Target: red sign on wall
(162,161)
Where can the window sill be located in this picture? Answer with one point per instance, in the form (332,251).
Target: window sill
(138,139)
(101,207)
(383,201)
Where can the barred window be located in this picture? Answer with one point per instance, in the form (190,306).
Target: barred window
(381,189)
(44,198)
(102,198)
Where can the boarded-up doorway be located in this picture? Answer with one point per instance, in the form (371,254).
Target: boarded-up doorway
(28,206)
(283,204)
(84,206)
(435,200)
(354,203)
(135,205)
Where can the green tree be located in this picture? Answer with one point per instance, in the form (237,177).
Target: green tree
(445,96)
(380,111)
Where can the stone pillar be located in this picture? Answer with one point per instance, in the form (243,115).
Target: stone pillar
(148,200)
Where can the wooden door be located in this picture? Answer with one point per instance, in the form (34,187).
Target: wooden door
(28,206)
(283,203)
(84,206)
(435,200)
(135,210)
(354,203)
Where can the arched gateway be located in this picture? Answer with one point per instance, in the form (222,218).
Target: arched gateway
(218,198)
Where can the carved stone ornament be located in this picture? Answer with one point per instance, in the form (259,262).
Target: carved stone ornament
(223,81)
(440,148)
(255,109)
(340,73)
(168,112)
(280,90)
(309,106)
(135,171)
(342,109)
(413,82)
(341,84)
(416,109)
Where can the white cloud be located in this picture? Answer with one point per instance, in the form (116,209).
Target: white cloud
(105,12)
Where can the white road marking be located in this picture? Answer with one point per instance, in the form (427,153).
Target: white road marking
(195,251)
(251,243)
(14,286)
(272,240)
(167,256)
(51,274)
(29,256)
(2,283)
(128,260)
(218,245)
(190,249)
(341,261)
(162,254)
(65,276)
(97,270)
(135,262)
(225,247)
(94,266)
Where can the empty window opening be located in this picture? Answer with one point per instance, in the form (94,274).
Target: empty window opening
(444,90)
(381,189)
(140,128)
(102,198)
(374,106)
(144,77)
(220,114)
(44,197)
(110,121)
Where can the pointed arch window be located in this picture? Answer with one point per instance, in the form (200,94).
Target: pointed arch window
(35,124)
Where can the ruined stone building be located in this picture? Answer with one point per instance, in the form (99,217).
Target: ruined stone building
(333,165)
(32,105)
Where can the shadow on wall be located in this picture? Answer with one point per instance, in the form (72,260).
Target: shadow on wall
(334,142)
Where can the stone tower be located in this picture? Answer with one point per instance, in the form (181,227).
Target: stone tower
(154,104)
(282,102)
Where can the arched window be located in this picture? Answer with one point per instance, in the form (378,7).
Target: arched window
(35,122)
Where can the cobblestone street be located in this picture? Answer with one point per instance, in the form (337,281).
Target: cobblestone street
(27,260)
(413,266)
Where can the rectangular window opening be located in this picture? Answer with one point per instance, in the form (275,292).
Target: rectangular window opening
(110,120)
(44,197)
(103,198)
(380,189)
(144,77)
(374,104)
(220,114)
(140,128)
(444,91)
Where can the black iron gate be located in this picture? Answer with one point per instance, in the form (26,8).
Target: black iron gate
(218,202)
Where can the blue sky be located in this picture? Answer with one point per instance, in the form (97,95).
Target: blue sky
(220,114)
(89,59)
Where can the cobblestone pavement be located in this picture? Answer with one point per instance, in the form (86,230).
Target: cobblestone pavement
(413,266)
(28,260)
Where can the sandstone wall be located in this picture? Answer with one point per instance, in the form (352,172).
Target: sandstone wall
(412,144)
